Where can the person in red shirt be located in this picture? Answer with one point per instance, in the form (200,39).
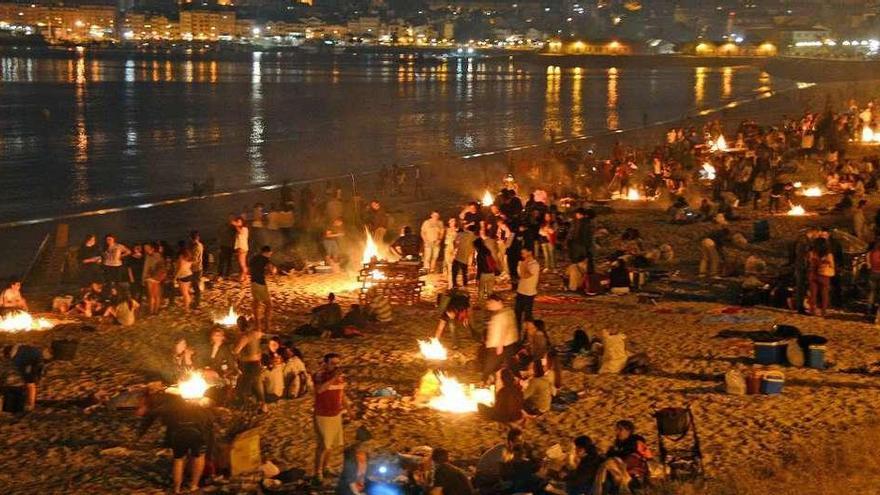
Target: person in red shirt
(329,405)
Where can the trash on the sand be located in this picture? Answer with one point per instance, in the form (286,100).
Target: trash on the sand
(385,392)
(117,452)
(734,383)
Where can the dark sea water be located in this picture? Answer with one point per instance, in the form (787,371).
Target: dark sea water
(82,134)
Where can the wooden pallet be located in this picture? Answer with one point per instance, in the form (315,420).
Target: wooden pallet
(400,282)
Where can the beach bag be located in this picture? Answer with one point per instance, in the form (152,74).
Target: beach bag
(794,353)
(613,354)
(13,400)
(734,383)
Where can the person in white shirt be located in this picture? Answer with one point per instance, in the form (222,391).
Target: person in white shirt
(432,239)
(241,247)
(501,337)
(529,270)
(114,272)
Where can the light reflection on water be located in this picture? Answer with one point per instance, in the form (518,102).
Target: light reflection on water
(115,129)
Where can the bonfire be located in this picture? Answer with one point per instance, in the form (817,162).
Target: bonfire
(194,387)
(432,350)
(371,251)
(459,398)
(22,321)
(488,199)
(797,211)
(812,192)
(869,136)
(230,319)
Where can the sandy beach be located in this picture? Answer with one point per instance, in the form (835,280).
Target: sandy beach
(58,448)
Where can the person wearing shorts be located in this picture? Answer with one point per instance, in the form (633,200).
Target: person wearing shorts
(189,431)
(329,385)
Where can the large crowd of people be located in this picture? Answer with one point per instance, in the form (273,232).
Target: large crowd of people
(517,241)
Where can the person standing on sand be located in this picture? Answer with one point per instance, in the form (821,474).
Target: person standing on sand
(821,263)
(860,228)
(250,355)
(114,253)
(432,238)
(190,431)
(376,221)
(501,337)
(580,239)
(226,240)
(528,271)
(449,247)
(183,274)
(800,261)
(464,254)
(241,247)
(260,265)
(197,250)
(153,275)
(330,402)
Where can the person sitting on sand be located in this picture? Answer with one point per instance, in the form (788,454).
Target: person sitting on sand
(189,431)
(217,361)
(274,374)
(95,300)
(488,475)
(28,363)
(448,479)
(582,467)
(536,341)
(124,309)
(509,400)
(326,317)
(627,461)
(539,392)
(181,361)
(519,473)
(11,299)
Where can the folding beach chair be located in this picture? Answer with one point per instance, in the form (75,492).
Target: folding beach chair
(679,443)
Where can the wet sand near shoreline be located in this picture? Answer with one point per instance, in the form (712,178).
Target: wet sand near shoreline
(58,448)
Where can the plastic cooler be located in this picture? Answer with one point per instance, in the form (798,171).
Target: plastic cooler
(772,352)
(772,383)
(816,357)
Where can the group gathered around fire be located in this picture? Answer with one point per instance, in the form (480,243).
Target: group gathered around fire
(502,248)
